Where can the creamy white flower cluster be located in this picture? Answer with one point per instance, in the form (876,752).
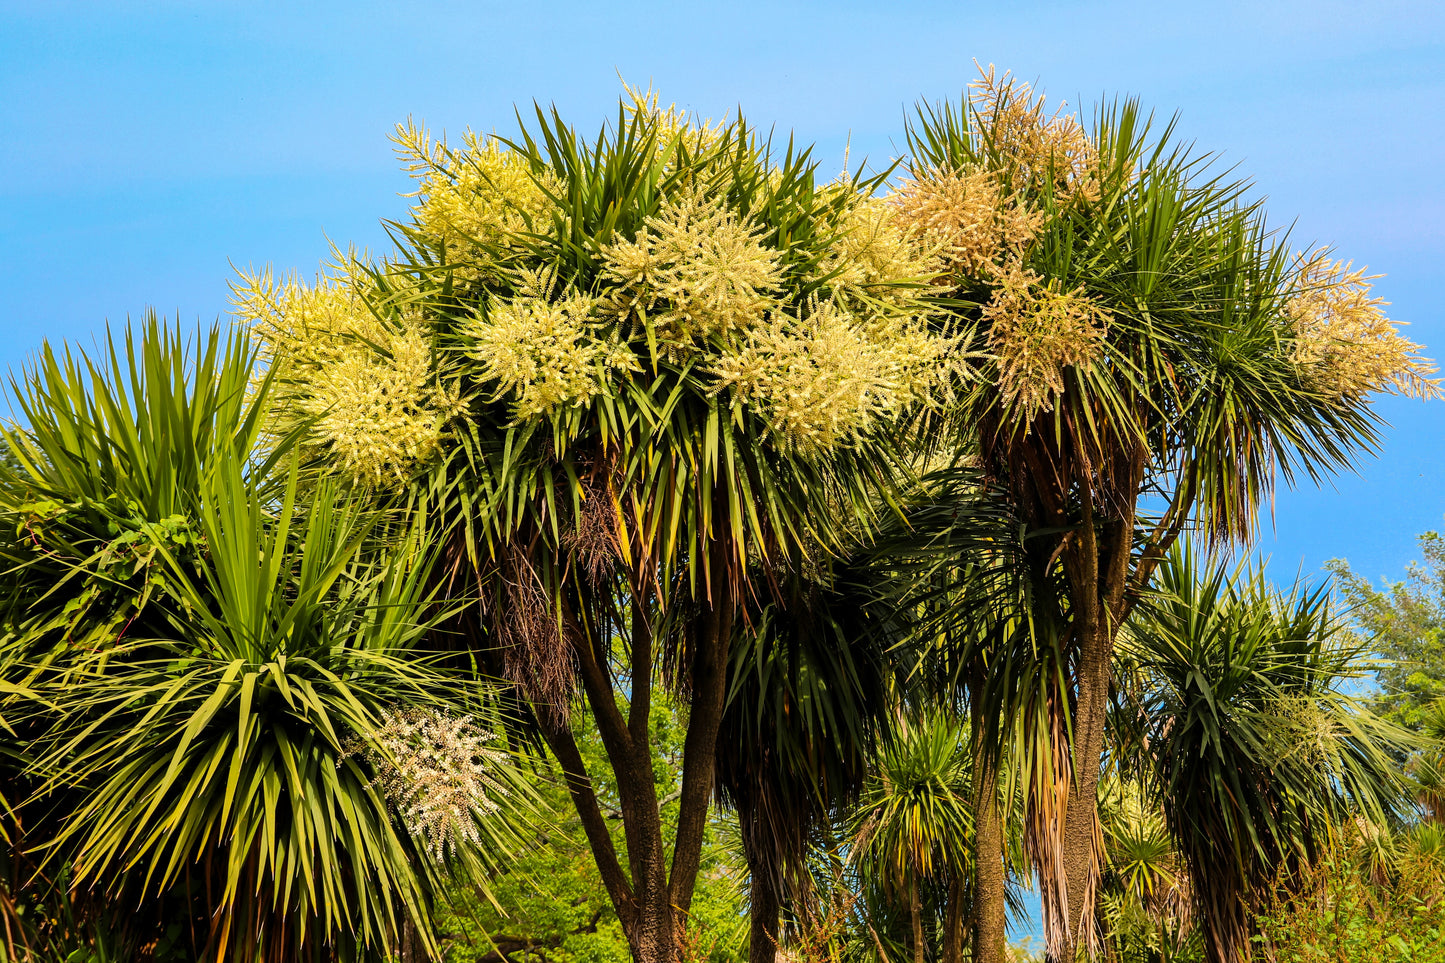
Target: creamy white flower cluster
(437,770)
(1344,342)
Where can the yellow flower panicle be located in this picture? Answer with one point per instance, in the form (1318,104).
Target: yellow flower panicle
(377,395)
(879,260)
(546,354)
(480,197)
(366,388)
(1344,344)
(1036,331)
(982,221)
(696,271)
(1035,149)
(966,217)
(1302,730)
(981,217)
(823,380)
(673,124)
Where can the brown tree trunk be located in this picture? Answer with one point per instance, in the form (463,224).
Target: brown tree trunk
(989,903)
(650,901)
(599,838)
(412,948)
(1098,570)
(764,905)
(647,917)
(915,912)
(765,884)
(990,906)
(1078,843)
(651,898)
(954,925)
(704,720)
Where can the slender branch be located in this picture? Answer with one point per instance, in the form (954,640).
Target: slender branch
(1086,550)
(504,945)
(1116,575)
(631,765)
(584,800)
(709,693)
(597,681)
(1162,537)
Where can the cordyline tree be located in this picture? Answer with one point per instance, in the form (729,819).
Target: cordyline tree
(623,380)
(811,691)
(1158,359)
(211,682)
(1258,757)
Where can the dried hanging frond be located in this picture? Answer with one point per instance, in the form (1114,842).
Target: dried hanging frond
(535,654)
(592,539)
(1344,343)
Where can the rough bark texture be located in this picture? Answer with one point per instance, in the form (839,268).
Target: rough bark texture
(763,908)
(915,912)
(989,906)
(1081,871)
(709,695)
(1098,565)
(412,948)
(954,925)
(584,799)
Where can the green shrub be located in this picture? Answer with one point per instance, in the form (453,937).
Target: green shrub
(1341,914)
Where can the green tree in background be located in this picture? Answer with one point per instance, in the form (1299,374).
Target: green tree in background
(1403,623)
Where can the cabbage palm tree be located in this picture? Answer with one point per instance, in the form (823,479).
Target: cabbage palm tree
(222,669)
(617,376)
(913,827)
(826,673)
(1144,894)
(978,622)
(1252,744)
(107,456)
(810,691)
(1156,360)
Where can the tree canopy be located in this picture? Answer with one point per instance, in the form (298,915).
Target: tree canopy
(650,470)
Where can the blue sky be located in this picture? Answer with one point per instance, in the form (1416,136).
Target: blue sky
(148,146)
